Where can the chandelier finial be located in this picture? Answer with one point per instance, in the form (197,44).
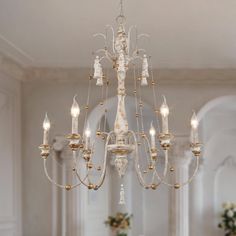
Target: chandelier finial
(122,7)
(121,17)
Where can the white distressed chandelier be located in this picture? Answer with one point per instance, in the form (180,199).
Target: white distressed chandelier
(123,144)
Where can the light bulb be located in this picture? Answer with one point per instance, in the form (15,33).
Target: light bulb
(194,121)
(88,132)
(152,130)
(46,123)
(75,110)
(164,108)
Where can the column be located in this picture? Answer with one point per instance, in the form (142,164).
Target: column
(179,198)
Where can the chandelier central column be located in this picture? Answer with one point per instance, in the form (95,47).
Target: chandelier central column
(121,123)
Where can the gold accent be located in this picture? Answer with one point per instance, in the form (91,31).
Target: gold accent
(73,136)
(172,169)
(154,186)
(44,155)
(90,186)
(153,83)
(150,167)
(90,165)
(163,138)
(74,146)
(177,186)
(98,133)
(81,146)
(143,135)
(196,149)
(45,150)
(87,107)
(95,187)
(68,187)
(87,155)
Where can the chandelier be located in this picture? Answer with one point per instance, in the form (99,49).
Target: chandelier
(123,144)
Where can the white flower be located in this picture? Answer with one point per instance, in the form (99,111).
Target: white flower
(226,205)
(230,213)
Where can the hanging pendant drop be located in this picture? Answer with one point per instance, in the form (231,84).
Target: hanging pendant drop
(122,195)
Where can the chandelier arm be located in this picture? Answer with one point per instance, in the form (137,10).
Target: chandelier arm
(187,181)
(153,83)
(136,101)
(107,54)
(53,181)
(102,177)
(105,102)
(101,35)
(141,108)
(101,105)
(166,162)
(143,35)
(165,168)
(137,167)
(87,104)
(113,36)
(129,37)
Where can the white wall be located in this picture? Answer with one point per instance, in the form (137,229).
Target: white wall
(10,157)
(56,97)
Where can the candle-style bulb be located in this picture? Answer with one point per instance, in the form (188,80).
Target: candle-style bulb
(75,110)
(88,132)
(46,123)
(164,108)
(194,121)
(152,130)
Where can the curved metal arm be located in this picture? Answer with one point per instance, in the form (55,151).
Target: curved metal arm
(102,177)
(53,181)
(139,172)
(187,181)
(113,37)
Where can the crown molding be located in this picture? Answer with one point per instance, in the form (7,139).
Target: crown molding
(11,50)
(162,76)
(11,68)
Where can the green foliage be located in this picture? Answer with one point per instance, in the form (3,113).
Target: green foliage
(119,223)
(228,219)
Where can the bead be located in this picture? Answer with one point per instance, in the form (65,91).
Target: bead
(68,187)
(177,186)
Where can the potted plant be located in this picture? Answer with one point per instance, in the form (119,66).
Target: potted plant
(228,219)
(119,224)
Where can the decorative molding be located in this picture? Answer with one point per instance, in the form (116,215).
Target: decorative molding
(229,161)
(13,51)
(163,76)
(11,68)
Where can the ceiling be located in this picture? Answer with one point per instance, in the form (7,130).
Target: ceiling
(58,33)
